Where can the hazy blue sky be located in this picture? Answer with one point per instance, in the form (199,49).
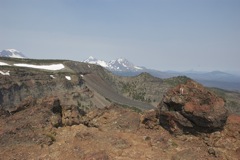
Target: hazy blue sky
(159,34)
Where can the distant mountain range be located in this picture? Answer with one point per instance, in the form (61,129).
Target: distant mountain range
(13,53)
(120,64)
(123,67)
(217,79)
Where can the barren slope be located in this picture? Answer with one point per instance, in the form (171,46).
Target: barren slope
(96,83)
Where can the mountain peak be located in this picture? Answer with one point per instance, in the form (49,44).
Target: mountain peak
(121,60)
(12,50)
(120,64)
(91,57)
(13,53)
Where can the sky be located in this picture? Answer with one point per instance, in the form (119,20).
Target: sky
(179,35)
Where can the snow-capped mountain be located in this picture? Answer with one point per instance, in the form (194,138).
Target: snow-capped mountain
(123,67)
(120,64)
(93,60)
(13,53)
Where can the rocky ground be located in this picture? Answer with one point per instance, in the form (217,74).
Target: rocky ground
(109,133)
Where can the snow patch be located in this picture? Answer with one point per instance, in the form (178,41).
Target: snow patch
(102,63)
(120,60)
(4,64)
(52,76)
(124,65)
(89,66)
(5,73)
(137,67)
(92,60)
(68,78)
(52,67)
(99,62)
(81,75)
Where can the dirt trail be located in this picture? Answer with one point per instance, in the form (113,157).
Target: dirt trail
(99,85)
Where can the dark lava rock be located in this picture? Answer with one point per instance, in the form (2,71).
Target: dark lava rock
(192,108)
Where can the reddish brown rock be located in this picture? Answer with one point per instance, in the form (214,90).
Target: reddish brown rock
(150,119)
(118,135)
(70,115)
(233,126)
(233,119)
(192,108)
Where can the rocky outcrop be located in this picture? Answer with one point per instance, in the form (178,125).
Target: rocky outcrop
(62,115)
(192,108)
(71,115)
(24,86)
(114,132)
(150,119)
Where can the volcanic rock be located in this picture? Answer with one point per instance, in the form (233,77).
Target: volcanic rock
(192,108)
(150,119)
(71,115)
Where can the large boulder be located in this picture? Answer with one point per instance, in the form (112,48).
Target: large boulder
(192,108)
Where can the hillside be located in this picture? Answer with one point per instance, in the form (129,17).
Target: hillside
(61,109)
(22,71)
(142,91)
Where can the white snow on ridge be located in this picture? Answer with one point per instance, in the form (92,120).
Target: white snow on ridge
(68,78)
(52,67)
(102,63)
(120,60)
(99,62)
(4,64)
(137,67)
(52,76)
(124,65)
(5,73)
(93,60)
(12,50)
